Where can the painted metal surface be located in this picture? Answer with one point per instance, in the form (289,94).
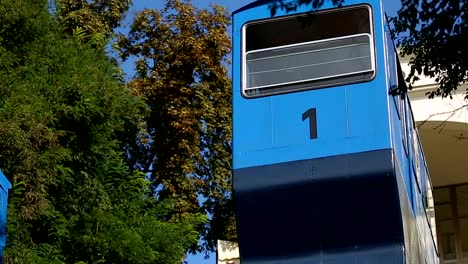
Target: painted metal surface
(318,207)
(5,186)
(270,129)
(329,175)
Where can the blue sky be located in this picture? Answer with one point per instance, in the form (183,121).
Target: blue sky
(231,5)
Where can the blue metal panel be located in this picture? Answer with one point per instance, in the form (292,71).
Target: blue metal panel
(368,117)
(399,150)
(350,118)
(291,184)
(368,103)
(321,206)
(4,187)
(4,183)
(398,115)
(408,220)
(278,133)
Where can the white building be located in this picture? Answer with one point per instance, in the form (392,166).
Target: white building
(228,253)
(443,128)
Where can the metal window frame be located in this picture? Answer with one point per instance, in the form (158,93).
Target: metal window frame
(372,57)
(244,54)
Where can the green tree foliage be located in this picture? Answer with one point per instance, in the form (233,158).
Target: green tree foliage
(434,34)
(91,19)
(65,121)
(290,6)
(181,74)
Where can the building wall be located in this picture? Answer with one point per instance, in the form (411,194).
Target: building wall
(228,253)
(443,128)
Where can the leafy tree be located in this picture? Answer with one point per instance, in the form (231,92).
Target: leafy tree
(434,34)
(290,6)
(181,74)
(65,120)
(91,19)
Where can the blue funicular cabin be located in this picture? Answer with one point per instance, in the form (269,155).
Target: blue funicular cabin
(327,162)
(4,187)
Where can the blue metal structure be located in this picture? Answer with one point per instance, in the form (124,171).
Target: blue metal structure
(4,187)
(327,163)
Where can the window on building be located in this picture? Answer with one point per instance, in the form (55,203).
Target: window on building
(462,212)
(308,51)
(451,206)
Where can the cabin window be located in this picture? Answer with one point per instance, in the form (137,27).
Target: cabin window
(308,51)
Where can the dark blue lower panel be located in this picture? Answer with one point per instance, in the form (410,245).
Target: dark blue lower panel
(310,209)
(382,254)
